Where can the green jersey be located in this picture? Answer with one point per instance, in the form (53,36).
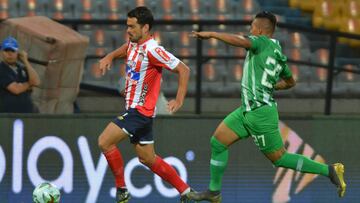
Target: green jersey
(264,65)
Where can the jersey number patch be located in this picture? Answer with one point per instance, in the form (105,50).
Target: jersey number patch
(270,61)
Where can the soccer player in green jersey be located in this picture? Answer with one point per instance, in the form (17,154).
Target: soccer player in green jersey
(265,70)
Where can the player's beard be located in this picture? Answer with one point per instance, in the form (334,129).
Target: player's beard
(134,38)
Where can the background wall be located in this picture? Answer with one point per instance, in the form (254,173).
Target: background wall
(64,149)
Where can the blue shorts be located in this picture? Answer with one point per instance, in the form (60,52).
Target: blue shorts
(137,126)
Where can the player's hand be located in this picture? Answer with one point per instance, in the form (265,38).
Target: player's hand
(23,56)
(105,64)
(174,105)
(200,35)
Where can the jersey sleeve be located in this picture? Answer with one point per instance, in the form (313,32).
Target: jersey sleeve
(161,58)
(257,42)
(286,72)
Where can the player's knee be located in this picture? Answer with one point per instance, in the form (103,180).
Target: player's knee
(278,161)
(217,146)
(103,145)
(146,160)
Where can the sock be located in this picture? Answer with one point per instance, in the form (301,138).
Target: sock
(116,164)
(168,173)
(302,164)
(186,191)
(218,163)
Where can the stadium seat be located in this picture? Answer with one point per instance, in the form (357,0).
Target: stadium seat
(300,72)
(192,9)
(306,5)
(4,14)
(170,80)
(101,41)
(5,8)
(233,78)
(213,78)
(92,75)
(283,37)
(353,81)
(350,9)
(219,9)
(60,9)
(113,10)
(312,81)
(299,40)
(185,48)
(168,10)
(31,8)
(279,3)
(238,52)
(349,80)
(327,15)
(294,3)
(350,25)
(87,10)
(4,5)
(249,7)
(212,47)
(318,74)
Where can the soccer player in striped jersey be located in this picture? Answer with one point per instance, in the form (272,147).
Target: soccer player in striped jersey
(258,117)
(145,61)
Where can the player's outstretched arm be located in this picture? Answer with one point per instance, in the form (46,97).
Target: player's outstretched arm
(184,74)
(232,39)
(285,83)
(105,63)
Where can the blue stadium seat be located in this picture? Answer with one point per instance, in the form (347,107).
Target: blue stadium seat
(170,80)
(233,78)
(213,75)
(60,9)
(31,8)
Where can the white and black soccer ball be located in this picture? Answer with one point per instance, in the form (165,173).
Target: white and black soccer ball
(46,193)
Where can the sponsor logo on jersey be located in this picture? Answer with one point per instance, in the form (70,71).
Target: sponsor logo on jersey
(131,64)
(141,57)
(132,75)
(162,54)
(143,95)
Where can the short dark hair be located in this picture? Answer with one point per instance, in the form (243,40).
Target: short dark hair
(143,16)
(268,15)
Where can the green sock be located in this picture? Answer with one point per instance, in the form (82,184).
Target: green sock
(218,163)
(302,163)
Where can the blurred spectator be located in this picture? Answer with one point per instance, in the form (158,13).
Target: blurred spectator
(16,80)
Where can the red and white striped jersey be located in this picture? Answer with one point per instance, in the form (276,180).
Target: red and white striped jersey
(144,64)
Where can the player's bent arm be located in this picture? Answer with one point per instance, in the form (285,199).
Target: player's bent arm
(285,83)
(184,74)
(119,52)
(232,39)
(105,63)
(18,88)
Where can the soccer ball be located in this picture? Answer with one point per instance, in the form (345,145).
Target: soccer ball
(46,193)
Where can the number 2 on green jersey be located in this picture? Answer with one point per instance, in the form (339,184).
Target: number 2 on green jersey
(270,61)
